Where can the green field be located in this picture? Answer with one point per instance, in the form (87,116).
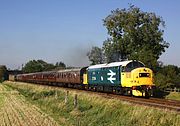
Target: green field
(92,110)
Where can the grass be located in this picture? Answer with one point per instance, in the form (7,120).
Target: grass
(16,110)
(173,96)
(93,110)
(1,97)
(1,100)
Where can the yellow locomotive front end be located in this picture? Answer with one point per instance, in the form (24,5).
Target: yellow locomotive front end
(136,76)
(142,82)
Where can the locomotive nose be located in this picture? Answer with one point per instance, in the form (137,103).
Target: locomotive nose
(142,82)
(142,76)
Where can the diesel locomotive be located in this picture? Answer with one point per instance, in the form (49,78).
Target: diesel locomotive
(126,78)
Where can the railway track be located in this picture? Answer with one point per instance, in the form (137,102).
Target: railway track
(152,102)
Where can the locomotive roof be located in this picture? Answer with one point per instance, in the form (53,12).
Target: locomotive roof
(113,64)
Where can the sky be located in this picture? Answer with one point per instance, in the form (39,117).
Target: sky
(65,30)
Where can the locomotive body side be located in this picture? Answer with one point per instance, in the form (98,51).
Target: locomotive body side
(127,78)
(106,76)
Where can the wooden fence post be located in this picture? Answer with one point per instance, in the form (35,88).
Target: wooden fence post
(75,101)
(56,94)
(66,97)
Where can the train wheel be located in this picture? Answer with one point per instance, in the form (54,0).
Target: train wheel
(94,89)
(146,94)
(131,94)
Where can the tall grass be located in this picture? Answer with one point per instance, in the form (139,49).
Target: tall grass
(93,110)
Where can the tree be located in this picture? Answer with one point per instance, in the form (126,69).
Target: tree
(60,65)
(112,52)
(168,76)
(95,55)
(3,73)
(134,34)
(37,66)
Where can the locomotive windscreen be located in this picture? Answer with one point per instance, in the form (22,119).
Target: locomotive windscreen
(132,65)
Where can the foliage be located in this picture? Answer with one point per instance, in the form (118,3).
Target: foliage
(3,73)
(134,34)
(137,35)
(167,76)
(95,55)
(40,65)
(60,65)
(37,66)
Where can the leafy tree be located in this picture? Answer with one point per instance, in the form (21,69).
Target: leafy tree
(37,66)
(60,65)
(134,34)
(49,67)
(168,76)
(3,73)
(160,80)
(40,65)
(95,55)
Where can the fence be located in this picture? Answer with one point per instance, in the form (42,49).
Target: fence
(172,90)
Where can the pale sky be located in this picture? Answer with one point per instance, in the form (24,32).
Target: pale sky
(64,30)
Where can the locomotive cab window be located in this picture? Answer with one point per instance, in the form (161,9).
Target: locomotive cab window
(123,68)
(133,65)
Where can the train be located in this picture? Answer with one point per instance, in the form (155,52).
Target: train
(129,77)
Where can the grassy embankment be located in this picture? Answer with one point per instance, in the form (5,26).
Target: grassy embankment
(1,96)
(92,109)
(1,100)
(173,95)
(16,111)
